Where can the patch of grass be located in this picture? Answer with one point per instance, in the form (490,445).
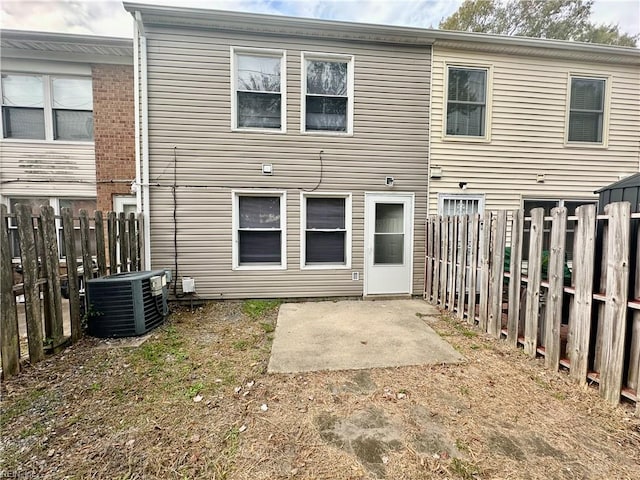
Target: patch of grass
(464,469)
(461,445)
(95,386)
(14,408)
(36,429)
(464,390)
(267,327)
(194,389)
(240,345)
(559,396)
(258,308)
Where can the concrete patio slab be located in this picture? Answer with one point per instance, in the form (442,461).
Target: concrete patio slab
(354,334)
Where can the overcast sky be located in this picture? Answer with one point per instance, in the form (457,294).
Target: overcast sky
(107,17)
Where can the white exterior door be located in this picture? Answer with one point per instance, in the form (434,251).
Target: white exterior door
(388,243)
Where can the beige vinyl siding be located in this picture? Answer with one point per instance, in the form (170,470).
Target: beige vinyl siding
(57,169)
(528,117)
(190,109)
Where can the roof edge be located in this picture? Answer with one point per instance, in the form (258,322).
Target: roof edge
(401,34)
(40,36)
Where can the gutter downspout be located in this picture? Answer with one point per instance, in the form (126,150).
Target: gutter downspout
(136,109)
(144,121)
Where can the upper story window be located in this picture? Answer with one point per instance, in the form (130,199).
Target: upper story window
(467,102)
(327,83)
(258,89)
(44,107)
(586,110)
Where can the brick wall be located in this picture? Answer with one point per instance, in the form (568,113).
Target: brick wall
(114,131)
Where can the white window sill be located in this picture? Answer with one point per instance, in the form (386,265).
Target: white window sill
(48,142)
(271,131)
(324,133)
(259,267)
(465,138)
(596,145)
(325,267)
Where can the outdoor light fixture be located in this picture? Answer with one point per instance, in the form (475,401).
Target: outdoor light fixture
(462,185)
(388,181)
(540,178)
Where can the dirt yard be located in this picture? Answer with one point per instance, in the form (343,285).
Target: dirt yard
(195,402)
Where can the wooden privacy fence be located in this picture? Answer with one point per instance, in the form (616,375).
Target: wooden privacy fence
(563,287)
(41,245)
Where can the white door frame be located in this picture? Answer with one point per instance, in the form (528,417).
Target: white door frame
(369,229)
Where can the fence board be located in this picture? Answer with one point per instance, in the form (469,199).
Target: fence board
(485,247)
(29,259)
(101,258)
(496,273)
(613,335)
(8,311)
(141,244)
(556,287)
(124,247)
(453,242)
(602,286)
(428,265)
(583,263)
(515,275)
(72,273)
(112,232)
(462,281)
(473,267)
(436,259)
(444,256)
(133,253)
(534,276)
(51,264)
(634,353)
(87,266)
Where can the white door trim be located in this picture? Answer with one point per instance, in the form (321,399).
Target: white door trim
(119,201)
(368,237)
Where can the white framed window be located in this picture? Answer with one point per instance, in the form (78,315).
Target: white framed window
(47,107)
(258,89)
(325,230)
(587,110)
(75,204)
(468,112)
(259,230)
(327,86)
(460,204)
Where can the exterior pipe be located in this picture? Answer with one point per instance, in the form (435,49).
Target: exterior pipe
(136,109)
(144,128)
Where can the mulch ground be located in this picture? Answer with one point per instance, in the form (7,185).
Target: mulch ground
(195,402)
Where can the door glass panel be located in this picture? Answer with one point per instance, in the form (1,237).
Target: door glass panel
(388,245)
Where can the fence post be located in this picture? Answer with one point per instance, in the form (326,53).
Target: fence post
(473,267)
(484,270)
(498,233)
(515,275)
(534,277)
(31,288)
(51,263)
(583,266)
(437,225)
(555,294)
(101,257)
(112,232)
(462,271)
(72,274)
(613,333)
(9,320)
